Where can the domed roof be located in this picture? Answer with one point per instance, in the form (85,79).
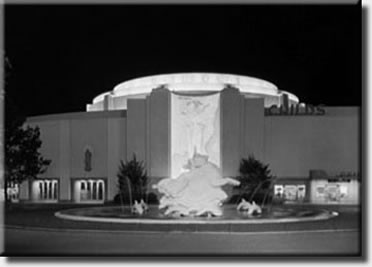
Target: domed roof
(190,82)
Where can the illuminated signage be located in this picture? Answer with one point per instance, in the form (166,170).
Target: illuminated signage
(343,176)
(295,110)
(290,192)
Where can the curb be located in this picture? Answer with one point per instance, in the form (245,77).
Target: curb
(69,230)
(186,221)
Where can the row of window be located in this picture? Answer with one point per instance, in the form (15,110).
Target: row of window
(84,190)
(89,190)
(319,191)
(290,192)
(94,190)
(47,189)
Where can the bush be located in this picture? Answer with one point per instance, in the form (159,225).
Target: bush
(255,180)
(132,179)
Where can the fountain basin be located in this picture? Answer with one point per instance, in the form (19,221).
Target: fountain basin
(117,214)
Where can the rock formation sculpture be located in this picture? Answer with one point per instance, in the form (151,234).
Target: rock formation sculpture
(139,207)
(249,208)
(195,192)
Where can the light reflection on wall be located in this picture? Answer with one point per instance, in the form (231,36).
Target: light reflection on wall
(195,128)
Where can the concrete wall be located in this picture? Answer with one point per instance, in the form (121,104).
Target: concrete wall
(55,136)
(116,151)
(50,134)
(296,144)
(158,149)
(64,160)
(65,138)
(253,136)
(136,129)
(90,134)
(242,129)
(232,103)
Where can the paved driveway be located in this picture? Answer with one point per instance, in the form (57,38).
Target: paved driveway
(337,236)
(291,243)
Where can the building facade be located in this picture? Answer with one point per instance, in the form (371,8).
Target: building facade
(314,151)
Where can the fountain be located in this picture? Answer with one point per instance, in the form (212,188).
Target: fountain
(196,197)
(195,192)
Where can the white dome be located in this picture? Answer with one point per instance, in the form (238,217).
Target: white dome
(188,83)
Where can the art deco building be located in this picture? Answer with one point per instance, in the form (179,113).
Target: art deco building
(314,151)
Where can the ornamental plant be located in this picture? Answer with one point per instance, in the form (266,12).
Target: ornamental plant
(132,179)
(255,179)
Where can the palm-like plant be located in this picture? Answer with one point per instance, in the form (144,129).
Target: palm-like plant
(132,178)
(255,177)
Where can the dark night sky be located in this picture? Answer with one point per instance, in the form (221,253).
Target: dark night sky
(63,56)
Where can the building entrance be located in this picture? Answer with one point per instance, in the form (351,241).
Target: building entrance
(45,190)
(89,190)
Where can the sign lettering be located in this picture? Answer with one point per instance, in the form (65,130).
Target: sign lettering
(295,110)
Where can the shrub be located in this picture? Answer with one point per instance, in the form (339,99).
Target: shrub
(132,179)
(255,180)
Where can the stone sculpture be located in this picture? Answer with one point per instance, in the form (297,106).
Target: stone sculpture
(195,192)
(249,208)
(139,207)
(144,205)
